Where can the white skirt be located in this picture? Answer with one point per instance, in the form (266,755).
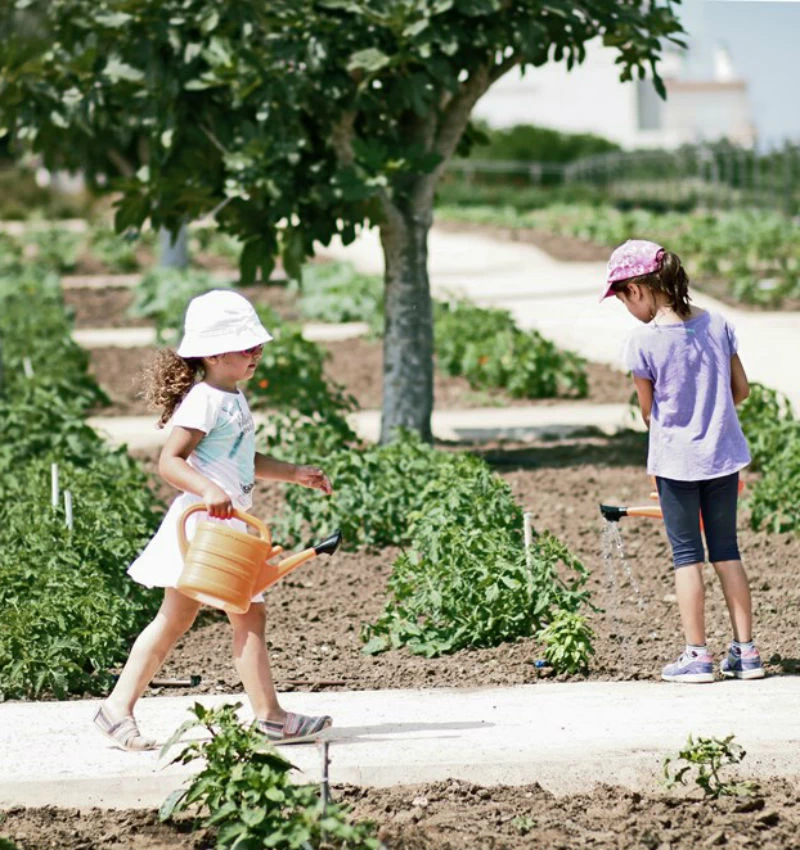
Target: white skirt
(160,563)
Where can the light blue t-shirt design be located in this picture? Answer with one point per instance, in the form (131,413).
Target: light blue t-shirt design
(226,454)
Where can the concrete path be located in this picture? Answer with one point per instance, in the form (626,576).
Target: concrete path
(479,424)
(560,299)
(564,736)
(138,337)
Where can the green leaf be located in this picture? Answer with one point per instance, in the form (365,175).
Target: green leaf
(113,20)
(371,59)
(117,70)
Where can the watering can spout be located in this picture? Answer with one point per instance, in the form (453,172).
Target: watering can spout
(275,572)
(613,513)
(330,544)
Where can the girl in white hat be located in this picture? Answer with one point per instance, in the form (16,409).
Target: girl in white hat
(210,456)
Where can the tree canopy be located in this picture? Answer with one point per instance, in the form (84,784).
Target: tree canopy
(291,121)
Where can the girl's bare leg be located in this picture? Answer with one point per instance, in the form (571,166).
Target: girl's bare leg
(691,602)
(736,589)
(174,618)
(251,658)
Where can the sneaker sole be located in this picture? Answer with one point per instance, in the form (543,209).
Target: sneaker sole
(743,674)
(690,678)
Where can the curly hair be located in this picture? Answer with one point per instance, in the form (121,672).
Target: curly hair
(671,279)
(167,380)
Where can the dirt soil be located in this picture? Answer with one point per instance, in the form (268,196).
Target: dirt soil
(111,306)
(316,614)
(455,815)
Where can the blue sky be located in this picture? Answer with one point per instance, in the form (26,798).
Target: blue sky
(763,37)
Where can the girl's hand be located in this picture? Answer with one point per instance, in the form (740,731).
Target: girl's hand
(218,502)
(313,477)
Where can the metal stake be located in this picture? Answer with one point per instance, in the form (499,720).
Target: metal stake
(55,495)
(325,785)
(68,508)
(527,518)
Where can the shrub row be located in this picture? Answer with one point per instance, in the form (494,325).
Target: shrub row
(67,610)
(464,577)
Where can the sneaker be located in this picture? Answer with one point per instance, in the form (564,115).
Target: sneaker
(742,664)
(690,667)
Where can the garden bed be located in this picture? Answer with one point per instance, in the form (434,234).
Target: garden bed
(109,307)
(453,815)
(570,249)
(355,363)
(315,615)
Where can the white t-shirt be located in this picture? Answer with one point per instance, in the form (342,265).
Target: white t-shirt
(227,453)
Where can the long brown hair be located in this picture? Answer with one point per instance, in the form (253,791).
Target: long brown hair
(671,280)
(167,380)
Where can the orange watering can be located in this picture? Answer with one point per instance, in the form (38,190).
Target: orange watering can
(226,568)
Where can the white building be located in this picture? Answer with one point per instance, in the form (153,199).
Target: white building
(706,99)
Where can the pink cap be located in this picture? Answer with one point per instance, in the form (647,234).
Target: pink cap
(631,259)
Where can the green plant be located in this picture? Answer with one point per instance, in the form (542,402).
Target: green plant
(375,488)
(117,252)
(489,350)
(336,292)
(291,377)
(567,640)
(523,824)
(773,434)
(707,756)
(775,501)
(245,791)
(764,416)
(465,578)
(67,612)
(54,247)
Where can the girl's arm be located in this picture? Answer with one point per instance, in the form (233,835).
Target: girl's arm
(277,470)
(174,469)
(644,390)
(740,386)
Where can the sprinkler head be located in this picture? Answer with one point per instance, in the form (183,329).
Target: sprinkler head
(613,513)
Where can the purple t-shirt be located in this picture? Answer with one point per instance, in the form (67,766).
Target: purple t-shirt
(695,433)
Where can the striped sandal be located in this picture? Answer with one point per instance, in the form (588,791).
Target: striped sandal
(295,729)
(124,734)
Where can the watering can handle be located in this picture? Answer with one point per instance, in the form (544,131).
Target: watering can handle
(254,522)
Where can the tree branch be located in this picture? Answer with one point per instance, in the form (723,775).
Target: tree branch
(503,68)
(457,113)
(120,163)
(342,138)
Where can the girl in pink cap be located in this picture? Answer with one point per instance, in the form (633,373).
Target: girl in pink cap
(210,457)
(689,379)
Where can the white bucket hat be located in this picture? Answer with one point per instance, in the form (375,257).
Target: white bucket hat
(218,322)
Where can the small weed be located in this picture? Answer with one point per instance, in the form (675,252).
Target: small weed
(708,756)
(523,824)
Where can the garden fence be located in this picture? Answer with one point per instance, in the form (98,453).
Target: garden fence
(716,176)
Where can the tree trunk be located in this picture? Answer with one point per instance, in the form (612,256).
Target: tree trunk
(408,333)
(173,255)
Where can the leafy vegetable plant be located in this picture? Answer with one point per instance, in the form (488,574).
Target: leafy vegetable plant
(705,757)
(245,791)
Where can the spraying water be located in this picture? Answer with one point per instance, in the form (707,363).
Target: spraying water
(619,576)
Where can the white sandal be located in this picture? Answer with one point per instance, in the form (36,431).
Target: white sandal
(124,733)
